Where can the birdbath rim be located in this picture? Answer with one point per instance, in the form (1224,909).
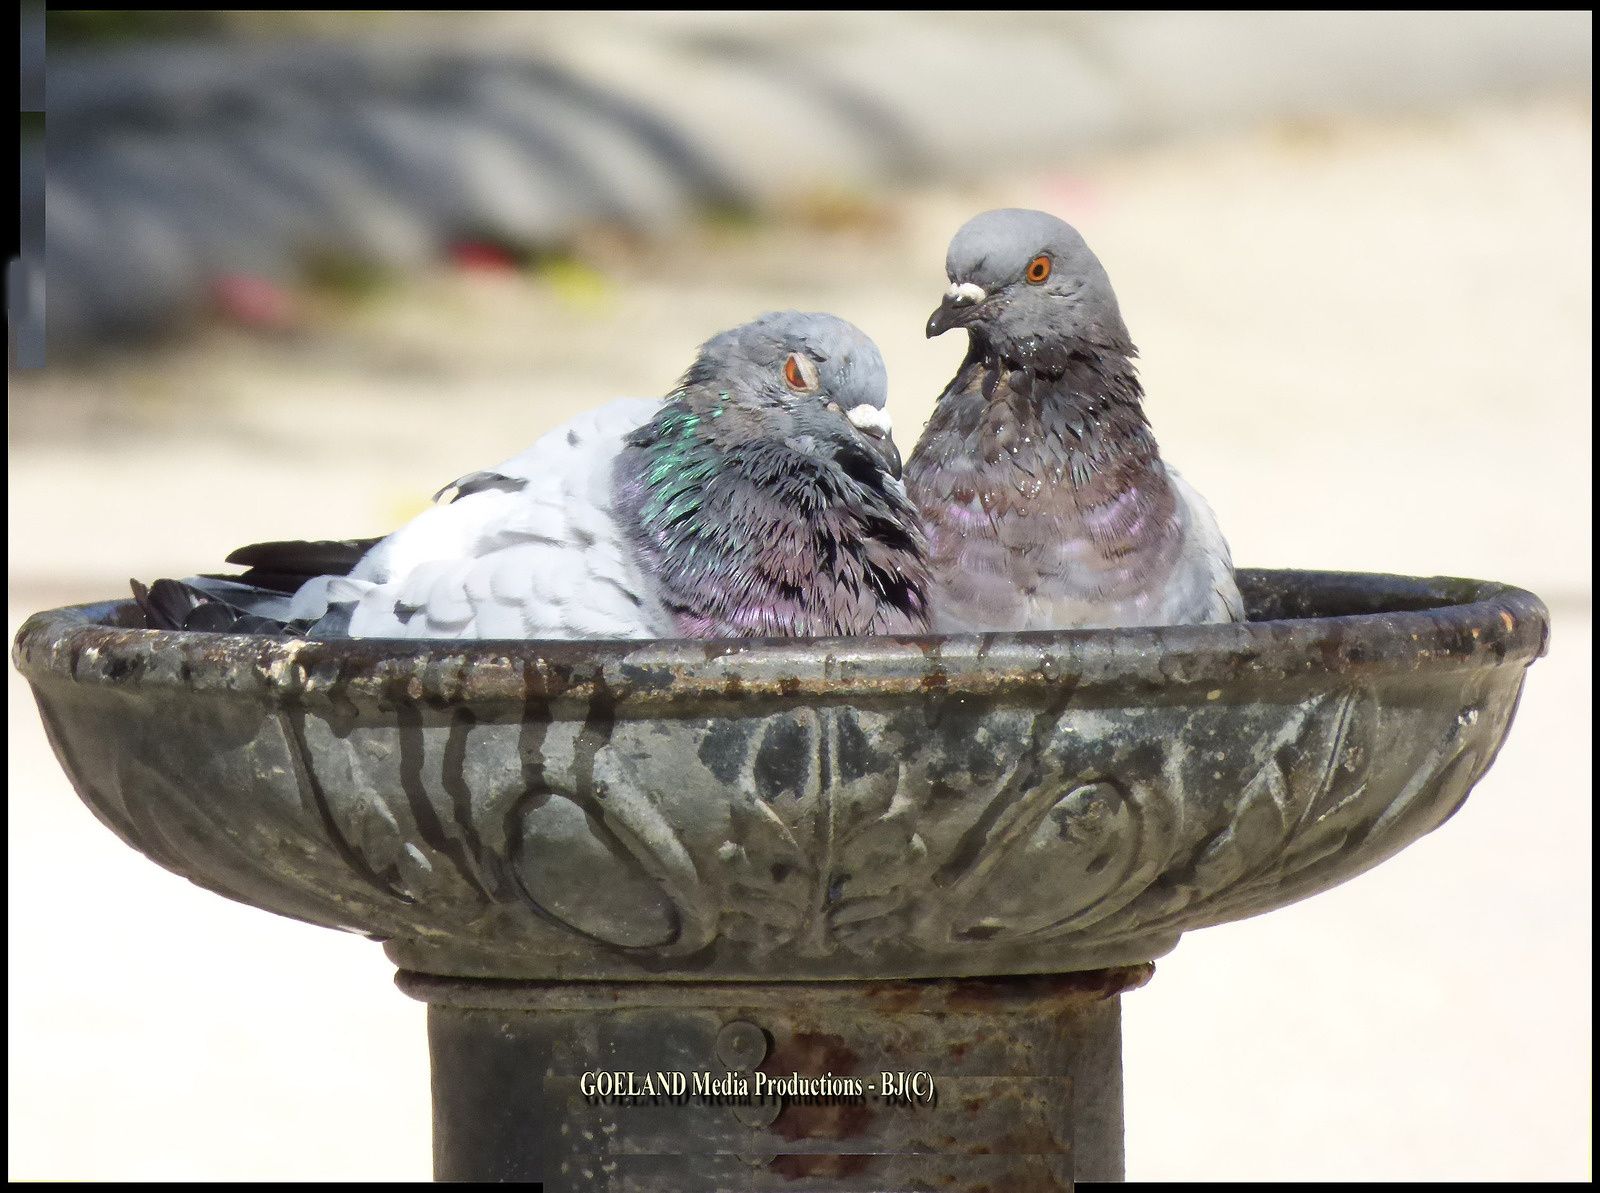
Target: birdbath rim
(1303,623)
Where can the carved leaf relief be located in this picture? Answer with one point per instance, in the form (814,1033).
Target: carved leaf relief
(1056,857)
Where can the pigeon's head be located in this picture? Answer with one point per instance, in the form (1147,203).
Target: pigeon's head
(803,377)
(1028,288)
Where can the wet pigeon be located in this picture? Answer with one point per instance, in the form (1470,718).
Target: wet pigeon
(1045,500)
(760,498)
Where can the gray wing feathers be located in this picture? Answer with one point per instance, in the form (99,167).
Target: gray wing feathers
(594,436)
(1207,590)
(477,482)
(260,601)
(541,558)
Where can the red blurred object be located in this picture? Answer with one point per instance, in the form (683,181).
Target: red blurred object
(1071,193)
(253,301)
(481,257)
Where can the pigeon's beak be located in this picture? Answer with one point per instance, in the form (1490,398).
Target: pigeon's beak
(878,432)
(959,305)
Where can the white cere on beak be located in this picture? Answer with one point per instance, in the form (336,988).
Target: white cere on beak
(966,293)
(870,419)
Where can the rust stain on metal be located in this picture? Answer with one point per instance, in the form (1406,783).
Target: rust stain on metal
(892,996)
(989,994)
(936,995)
(814,1054)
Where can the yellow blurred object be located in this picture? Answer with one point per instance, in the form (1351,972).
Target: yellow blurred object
(577,285)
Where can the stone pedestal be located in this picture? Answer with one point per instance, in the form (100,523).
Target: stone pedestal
(663,1087)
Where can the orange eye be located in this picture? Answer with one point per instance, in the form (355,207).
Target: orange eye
(1038,269)
(799,372)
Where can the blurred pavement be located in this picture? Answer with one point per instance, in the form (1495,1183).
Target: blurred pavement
(360,140)
(1367,342)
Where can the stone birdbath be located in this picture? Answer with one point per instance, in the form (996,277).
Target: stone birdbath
(807,914)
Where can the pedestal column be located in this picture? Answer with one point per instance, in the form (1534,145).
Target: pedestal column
(667,1087)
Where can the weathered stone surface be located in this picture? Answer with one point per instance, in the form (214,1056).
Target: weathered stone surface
(831,808)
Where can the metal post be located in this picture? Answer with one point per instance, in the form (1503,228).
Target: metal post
(631,1087)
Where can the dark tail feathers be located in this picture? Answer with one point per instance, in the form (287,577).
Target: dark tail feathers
(285,566)
(174,605)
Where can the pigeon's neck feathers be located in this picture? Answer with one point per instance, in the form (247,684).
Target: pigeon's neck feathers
(679,459)
(1088,395)
(748,537)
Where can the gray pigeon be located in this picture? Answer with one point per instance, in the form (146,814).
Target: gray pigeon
(760,498)
(1045,500)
